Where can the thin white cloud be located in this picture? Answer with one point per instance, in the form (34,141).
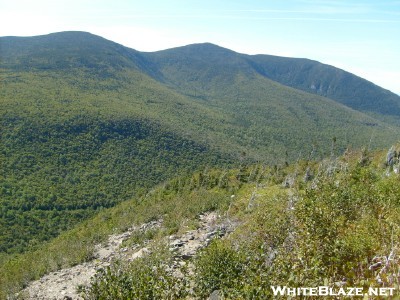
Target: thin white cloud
(345,7)
(224,16)
(352,20)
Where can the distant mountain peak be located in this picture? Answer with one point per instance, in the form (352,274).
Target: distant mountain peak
(200,49)
(70,49)
(208,46)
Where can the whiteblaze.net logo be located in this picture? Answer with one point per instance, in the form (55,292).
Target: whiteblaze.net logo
(329,291)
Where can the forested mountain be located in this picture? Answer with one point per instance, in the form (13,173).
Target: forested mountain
(182,67)
(87,123)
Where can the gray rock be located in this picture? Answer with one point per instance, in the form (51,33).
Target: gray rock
(391,156)
(215,295)
(177,243)
(211,234)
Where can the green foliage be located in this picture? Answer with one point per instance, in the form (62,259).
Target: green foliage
(331,231)
(175,202)
(218,267)
(59,166)
(146,278)
(321,232)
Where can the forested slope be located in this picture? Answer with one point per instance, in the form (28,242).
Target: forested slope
(70,146)
(330,223)
(325,80)
(87,123)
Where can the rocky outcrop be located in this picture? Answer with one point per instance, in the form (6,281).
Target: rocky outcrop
(63,284)
(186,245)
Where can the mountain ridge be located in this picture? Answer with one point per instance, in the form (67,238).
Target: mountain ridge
(324,80)
(228,74)
(300,73)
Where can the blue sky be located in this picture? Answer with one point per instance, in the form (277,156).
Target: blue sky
(362,37)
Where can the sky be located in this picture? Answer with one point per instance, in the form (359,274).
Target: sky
(362,37)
